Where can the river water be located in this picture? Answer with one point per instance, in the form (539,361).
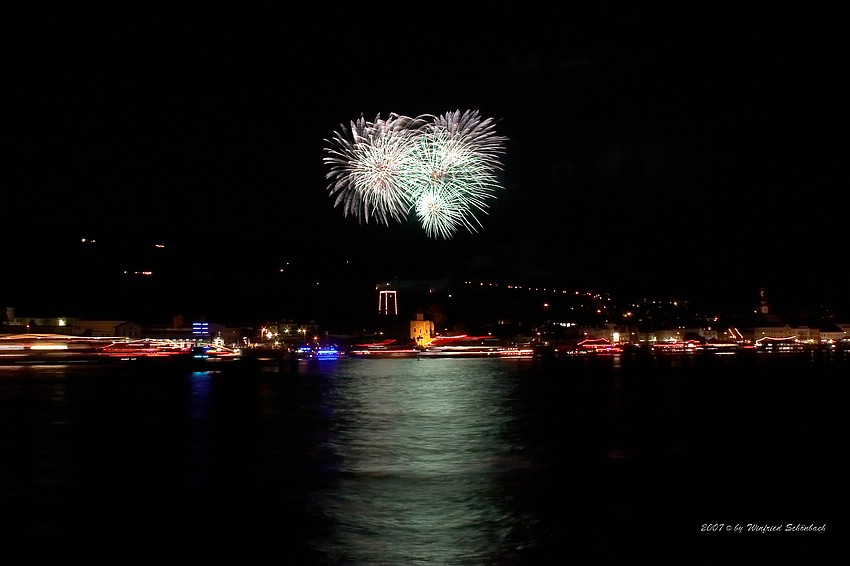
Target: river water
(426,462)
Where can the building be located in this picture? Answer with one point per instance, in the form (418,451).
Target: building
(421,330)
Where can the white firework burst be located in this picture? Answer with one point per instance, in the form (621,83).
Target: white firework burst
(441,212)
(369,163)
(443,168)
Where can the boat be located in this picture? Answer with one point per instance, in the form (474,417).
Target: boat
(517,352)
(383,349)
(145,349)
(214,353)
(598,346)
(774,344)
(46,348)
(721,347)
(153,350)
(317,352)
(677,347)
(463,346)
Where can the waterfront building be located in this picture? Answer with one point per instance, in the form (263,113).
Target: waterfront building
(421,330)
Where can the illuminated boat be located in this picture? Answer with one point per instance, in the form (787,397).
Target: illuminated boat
(677,347)
(168,350)
(43,348)
(722,346)
(384,349)
(214,353)
(317,352)
(598,346)
(781,344)
(463,346)
(147,349)
(517,352)
(65,348)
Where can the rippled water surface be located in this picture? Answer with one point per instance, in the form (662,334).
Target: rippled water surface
(408,461)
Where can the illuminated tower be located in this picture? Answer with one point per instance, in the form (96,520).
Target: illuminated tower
(387,303)
(764,308)
(421,330)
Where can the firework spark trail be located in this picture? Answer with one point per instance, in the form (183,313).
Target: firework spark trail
(441,168)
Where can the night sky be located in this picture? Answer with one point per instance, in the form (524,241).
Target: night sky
(694,172)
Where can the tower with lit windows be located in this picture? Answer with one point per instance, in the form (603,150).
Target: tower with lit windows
(763,307)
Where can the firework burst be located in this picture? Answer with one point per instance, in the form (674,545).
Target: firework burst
(440,169)
(441,212)
(479,134)
(368,167)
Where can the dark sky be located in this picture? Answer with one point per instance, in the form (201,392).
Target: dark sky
(700,172)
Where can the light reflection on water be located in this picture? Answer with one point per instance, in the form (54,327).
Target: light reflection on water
(417,446)
(201,387)
(402,461)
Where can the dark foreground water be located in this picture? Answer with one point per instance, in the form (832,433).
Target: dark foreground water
(438,462)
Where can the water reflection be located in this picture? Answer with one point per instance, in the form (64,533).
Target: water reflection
(417,447)
(199,394)
(402,461)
